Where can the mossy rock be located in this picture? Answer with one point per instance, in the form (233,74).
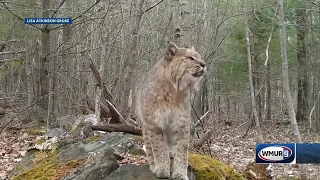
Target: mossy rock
(136,151)
(137,138)
(287,178)
(40,140)
(35,132)
(206,168)
(46,167)
(92,138)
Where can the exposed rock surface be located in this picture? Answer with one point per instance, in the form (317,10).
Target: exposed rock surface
(98,157)
(98,167)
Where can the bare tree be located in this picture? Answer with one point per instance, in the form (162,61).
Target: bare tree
(285,83)
(103,59)
(252,94)
(302,104)
(132,58)
(29,70)
(45,42)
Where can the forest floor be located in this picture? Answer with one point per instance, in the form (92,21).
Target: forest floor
(228,145)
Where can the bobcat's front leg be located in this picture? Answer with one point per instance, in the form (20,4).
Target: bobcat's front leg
(180,154)
(160,154)
(147,142)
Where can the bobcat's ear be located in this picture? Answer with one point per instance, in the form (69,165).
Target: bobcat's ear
(171,51)
(192,48)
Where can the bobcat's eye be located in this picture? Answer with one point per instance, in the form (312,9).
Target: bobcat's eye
(191,58)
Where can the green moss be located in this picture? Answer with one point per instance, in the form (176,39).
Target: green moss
(207,168)
(40,141)
(137,138)
(35,132)
(46,167)
(65,168)
(74,163)
(287,178)
(136,151)
(19,168)
(45,164)
(54,148)
(92,138)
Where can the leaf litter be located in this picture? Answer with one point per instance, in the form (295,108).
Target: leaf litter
(229,146)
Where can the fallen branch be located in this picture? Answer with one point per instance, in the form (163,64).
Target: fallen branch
(105,112)
(115,114)
(12,52)
(118,128)
(100,82)
(200,119)
(9,60)
(203,139)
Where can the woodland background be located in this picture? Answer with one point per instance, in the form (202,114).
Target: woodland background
(47,67)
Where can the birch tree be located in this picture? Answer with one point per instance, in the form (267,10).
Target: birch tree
(185,19)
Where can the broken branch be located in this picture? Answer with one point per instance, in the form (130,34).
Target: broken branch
(118,128)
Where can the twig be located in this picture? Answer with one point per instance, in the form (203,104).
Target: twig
(56,10)
(9,60)
(199,120)
(148,9)
(12,52)
(17,16)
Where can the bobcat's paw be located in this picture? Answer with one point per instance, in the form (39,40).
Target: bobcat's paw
(151,167)
(179,177)
(161,173)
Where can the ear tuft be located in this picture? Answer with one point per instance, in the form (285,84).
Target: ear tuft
(192,48)
(171,51)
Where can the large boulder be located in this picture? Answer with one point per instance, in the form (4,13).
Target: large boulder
(97,157)
(97,167)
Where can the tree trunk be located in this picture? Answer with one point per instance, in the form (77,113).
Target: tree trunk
(256,82)
(52,84)
(185,19)
(286,89)
(175,22)
(302,104)
(66,40)
(253,102)
(103,60)
(101,72)
(45,40)
(128,80)
(268,100)
(29,70)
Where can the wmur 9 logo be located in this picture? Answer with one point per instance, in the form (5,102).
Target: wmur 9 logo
(275,153)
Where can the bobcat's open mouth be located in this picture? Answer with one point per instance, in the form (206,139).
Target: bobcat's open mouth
(198,74)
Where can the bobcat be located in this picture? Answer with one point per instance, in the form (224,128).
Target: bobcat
(163,107)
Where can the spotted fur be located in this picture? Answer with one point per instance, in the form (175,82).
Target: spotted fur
(163,105)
